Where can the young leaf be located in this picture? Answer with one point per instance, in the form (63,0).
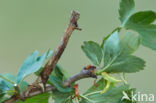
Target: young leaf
(141,23)
(126,10)
(93,51)
(113,95)
(31,64)
(42,98)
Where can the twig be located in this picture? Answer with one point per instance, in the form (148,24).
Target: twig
(15,98)
(81,75)
(58,52)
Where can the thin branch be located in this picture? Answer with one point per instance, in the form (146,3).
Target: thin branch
(81,75)
(15,98)
(60,49)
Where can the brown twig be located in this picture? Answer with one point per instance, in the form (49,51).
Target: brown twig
(67,83)
(15,98)
(81,75)
(58,52)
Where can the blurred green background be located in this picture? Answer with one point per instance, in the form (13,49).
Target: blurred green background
(28,25)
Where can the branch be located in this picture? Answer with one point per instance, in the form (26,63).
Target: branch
(51,64)
(23,97)
(81,75)
(60,49)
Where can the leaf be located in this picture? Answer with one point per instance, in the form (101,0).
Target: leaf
(58,84)
(3,88)
(10,85)
(7,83)
(113,95)
(93,52)
(22,85)
(60,72)
(142,18)
(111,48)
(117,56)
(42,98)
(130,43)
(141,23)
(7,78)
(31,65)
(126,10)
(127,64)
(60,97)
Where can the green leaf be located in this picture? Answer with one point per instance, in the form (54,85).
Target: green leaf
(42,98)
(127,64)
(10,85)
(142,18)
(48,54)
(3,88)
(60,97)
(58,84)
(126,10)
(130,43)
(31,65)
(113,95)
(57,77)
(111,48)
(117,55)
(141,23)
(93,52)
(22,85)
(60,72)
(7,83)
(7,78)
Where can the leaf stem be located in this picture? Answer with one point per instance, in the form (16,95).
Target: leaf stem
(89,100)
(10,81)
